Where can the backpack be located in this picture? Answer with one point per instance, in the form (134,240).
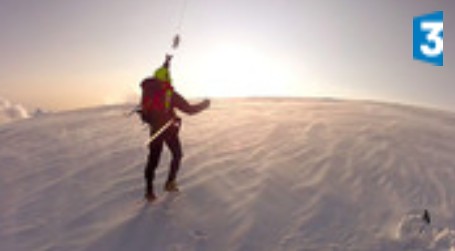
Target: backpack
(155,100)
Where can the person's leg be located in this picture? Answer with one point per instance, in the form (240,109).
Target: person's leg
(155,149)
(173,142)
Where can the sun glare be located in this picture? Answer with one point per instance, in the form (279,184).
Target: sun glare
(233,70)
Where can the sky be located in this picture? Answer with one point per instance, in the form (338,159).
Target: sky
(61,54)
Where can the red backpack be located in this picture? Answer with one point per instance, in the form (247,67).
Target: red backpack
(156,100)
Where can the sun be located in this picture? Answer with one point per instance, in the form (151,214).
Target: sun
(242,70)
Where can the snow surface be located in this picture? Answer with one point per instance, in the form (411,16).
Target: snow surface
(257,175)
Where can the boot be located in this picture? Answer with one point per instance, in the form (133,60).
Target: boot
(150,195)
(171,186)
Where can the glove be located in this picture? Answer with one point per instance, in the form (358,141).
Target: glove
(205,104)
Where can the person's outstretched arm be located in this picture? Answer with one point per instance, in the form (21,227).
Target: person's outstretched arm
(183,105)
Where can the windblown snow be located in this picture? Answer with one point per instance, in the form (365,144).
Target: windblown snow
(10,111)
(257,175)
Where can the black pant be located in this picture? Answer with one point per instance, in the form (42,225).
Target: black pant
(171,138)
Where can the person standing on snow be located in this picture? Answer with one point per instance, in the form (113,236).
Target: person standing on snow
(159,100)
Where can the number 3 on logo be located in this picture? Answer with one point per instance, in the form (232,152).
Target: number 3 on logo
(428,38)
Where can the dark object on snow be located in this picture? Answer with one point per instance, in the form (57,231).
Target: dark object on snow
(426,216)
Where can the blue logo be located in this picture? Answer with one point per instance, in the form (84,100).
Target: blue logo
(428,38)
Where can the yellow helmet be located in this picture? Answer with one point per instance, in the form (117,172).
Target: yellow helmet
(162,74)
